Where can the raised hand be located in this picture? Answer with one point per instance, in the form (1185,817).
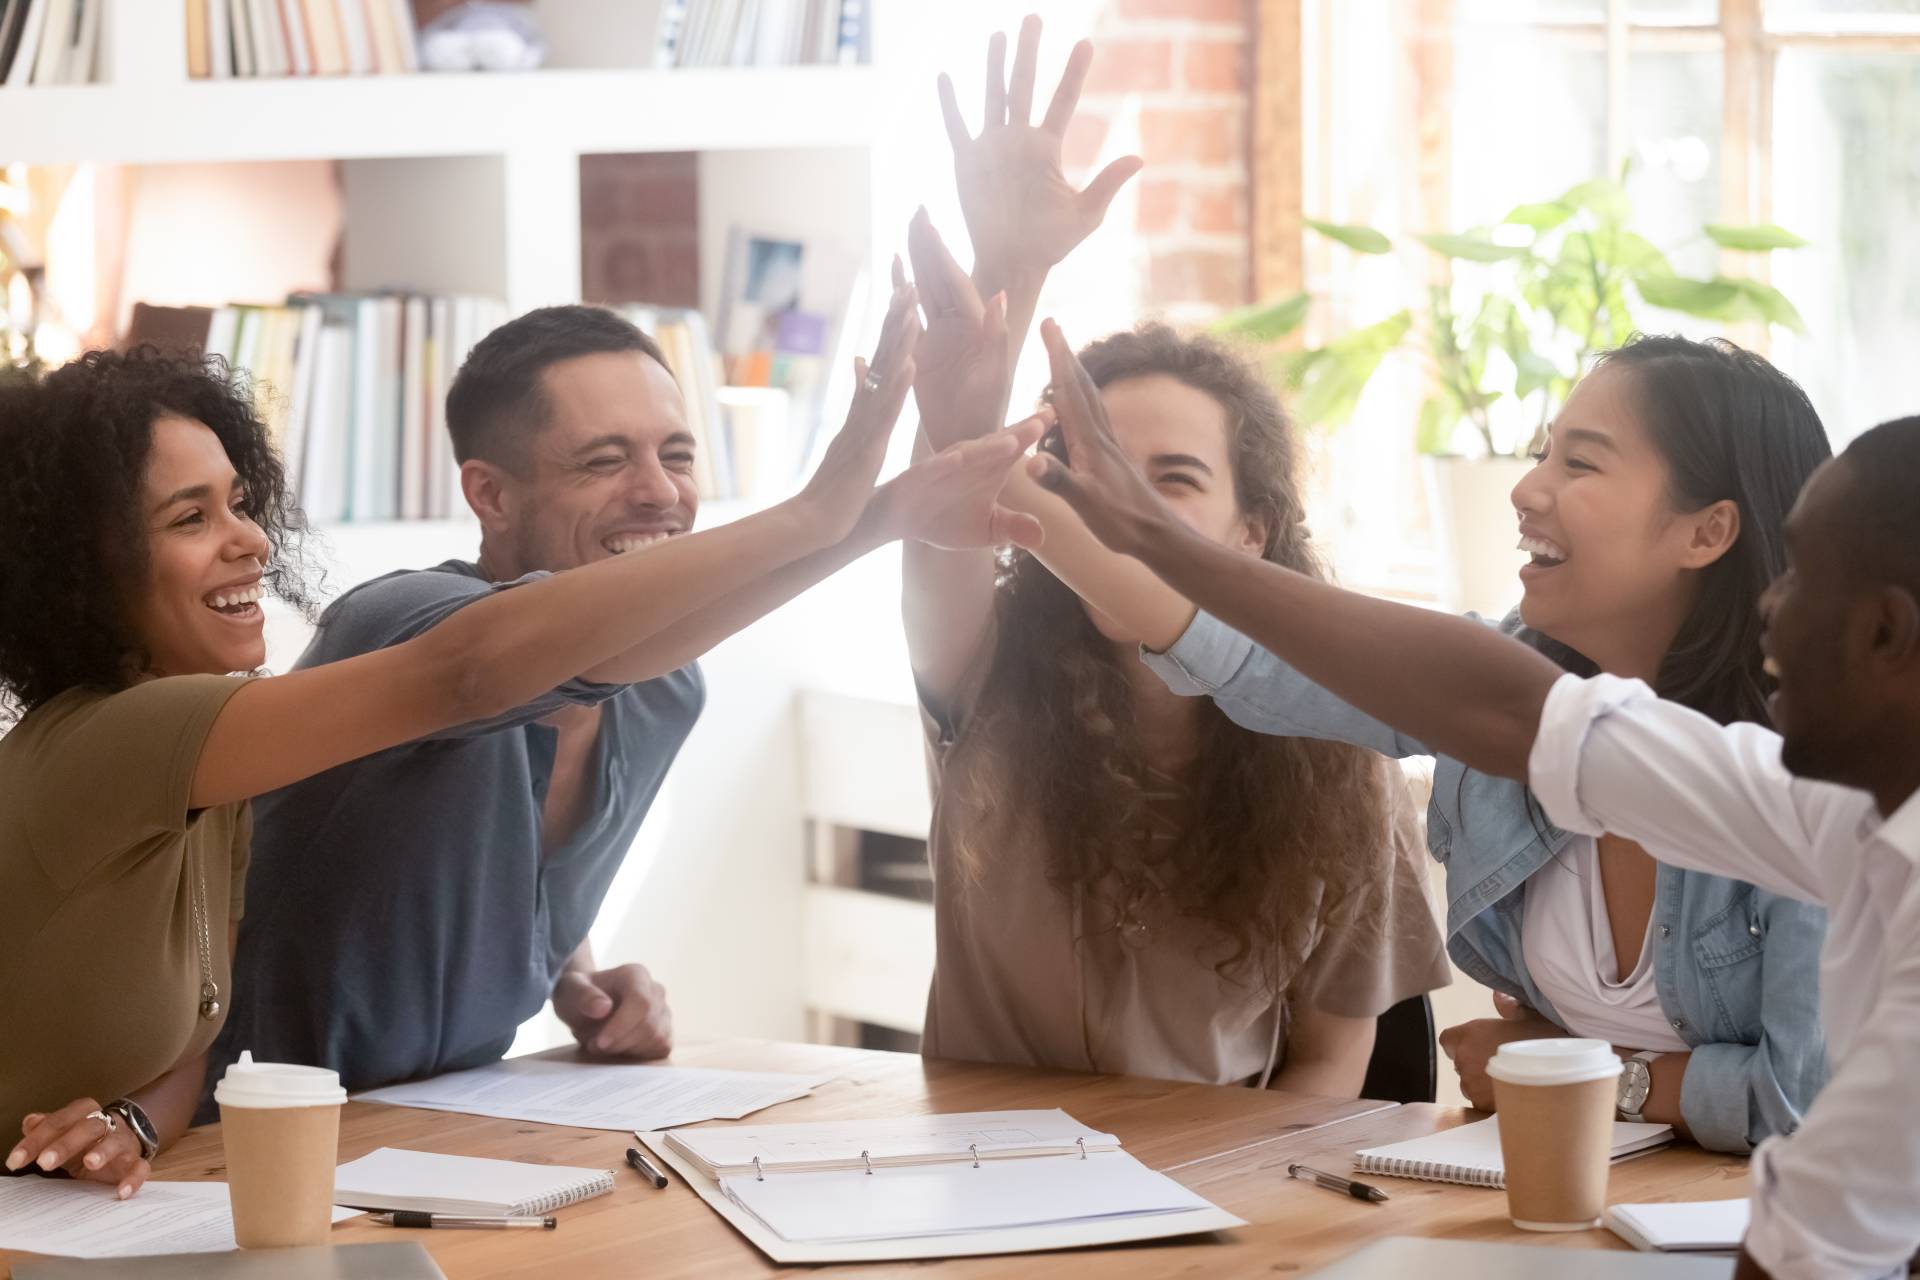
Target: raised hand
(962,366)
(951,500)
(842,484)
(1098,481)
(1023,214)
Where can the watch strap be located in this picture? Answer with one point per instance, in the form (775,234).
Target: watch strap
(138,1125)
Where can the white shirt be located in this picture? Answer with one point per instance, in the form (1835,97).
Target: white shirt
(1567,939)
(1840,1197)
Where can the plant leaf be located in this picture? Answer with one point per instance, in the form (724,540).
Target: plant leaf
(1330,379)
(1772,305)
(1266,321)
(1541,217)
(1756,239)
(1605,200)
(1473,248)
(1716,299)
(1531,372)
(1357,238)
(1438,420)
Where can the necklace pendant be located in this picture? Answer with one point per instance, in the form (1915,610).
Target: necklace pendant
(209,1001)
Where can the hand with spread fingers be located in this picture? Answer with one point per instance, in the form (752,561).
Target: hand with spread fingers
(951,500)
(1096,478)
(839,490)
(963,365)
(87,1141)
(1023,214)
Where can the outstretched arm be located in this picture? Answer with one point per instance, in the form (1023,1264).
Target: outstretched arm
(514,645)
(1461,688)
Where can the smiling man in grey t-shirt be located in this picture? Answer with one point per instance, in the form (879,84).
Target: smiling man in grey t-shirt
(407,912)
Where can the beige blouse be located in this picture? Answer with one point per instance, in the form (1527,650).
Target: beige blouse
(101,864)
(1025,973)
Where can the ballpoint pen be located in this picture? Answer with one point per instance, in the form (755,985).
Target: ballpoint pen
(644,1167)
(1334,1182)
(414,1218)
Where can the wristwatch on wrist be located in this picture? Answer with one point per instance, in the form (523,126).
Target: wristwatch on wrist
(138,1125)
(1636,1082)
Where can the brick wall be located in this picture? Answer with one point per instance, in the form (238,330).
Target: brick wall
(640,228)
(1172,79)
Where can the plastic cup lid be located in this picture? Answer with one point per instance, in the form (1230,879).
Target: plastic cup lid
(1556,1061)
(277,1084)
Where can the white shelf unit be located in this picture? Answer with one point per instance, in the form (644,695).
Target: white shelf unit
(470,182)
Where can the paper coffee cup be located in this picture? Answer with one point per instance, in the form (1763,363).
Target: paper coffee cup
(280,1124)
(1555,1100)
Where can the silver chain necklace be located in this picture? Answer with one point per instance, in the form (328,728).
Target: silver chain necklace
(209,989)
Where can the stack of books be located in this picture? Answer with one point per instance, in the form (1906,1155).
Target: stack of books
(688,347)
(353,387)
(764,33)
(50,41)
(237,38)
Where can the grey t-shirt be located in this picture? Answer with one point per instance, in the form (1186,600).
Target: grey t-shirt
(401,920)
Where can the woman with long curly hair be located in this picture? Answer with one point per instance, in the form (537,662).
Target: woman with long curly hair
(1125,880)
(144,516)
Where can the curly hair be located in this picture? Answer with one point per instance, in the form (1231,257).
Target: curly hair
(73,454)
(1288,837)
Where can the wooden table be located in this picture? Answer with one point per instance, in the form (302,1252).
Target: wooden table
(1231,1145)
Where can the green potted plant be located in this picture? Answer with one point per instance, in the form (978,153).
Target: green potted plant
(1530,300)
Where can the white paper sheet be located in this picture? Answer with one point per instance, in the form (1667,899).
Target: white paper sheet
(87,1220)
(1687,1227)
(940,1200)
(590,1095)
(994,1133)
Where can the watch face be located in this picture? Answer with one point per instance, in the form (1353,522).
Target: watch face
(1636,1082)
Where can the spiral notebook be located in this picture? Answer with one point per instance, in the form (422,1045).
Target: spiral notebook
(1470,1154)
(428,1182)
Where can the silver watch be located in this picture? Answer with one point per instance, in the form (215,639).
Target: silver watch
(138,1125)
(1636,1082)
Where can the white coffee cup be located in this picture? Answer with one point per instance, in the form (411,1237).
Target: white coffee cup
(280,1124)
(1555,1100)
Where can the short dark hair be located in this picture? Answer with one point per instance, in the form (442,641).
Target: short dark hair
(1884,467)
(497,401)
(74,446)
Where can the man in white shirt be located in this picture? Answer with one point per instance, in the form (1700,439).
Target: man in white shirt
(1827,810)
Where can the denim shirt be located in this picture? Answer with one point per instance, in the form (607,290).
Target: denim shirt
(1734,966)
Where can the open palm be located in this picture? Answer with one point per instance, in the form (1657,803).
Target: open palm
(962,365)
(1022,213)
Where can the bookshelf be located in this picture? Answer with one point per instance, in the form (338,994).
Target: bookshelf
(469,182)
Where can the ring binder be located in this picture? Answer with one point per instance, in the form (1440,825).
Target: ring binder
(868,1158)
(1082,1143)
(758,1173)
(975,1148)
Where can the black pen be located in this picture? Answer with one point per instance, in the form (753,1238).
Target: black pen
(645,1169)
(1334,1182)
(414,1218)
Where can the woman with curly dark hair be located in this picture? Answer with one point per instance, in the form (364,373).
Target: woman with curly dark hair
(144,516)
(1124,879)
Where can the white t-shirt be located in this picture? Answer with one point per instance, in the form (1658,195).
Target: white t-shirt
(1567,939)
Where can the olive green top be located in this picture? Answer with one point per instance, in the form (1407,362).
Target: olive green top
(100,957)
